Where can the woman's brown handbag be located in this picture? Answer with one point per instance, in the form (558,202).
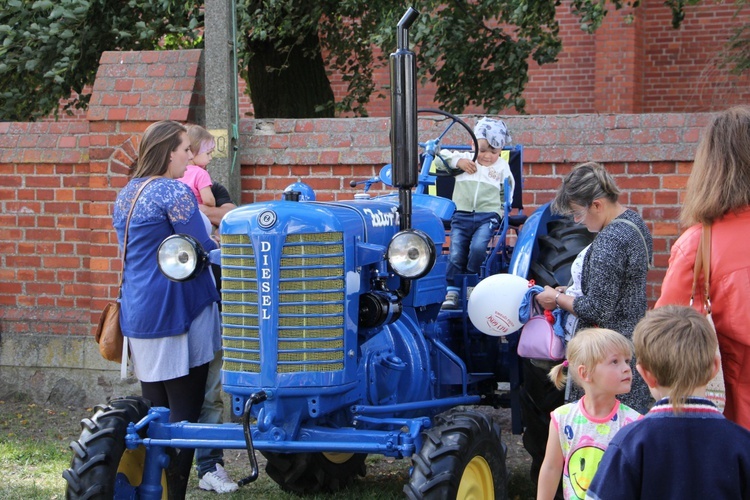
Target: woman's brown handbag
(108,333)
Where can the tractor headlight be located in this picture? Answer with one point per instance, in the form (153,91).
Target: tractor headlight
(411,254)
(181,257)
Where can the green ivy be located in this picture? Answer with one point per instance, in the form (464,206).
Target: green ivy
(477,53)
(50,48)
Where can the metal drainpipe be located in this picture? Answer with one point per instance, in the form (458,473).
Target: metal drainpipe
(235,139)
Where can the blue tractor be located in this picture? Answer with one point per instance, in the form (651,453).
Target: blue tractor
(335,345)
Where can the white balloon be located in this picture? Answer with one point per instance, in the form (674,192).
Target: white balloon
(494,303)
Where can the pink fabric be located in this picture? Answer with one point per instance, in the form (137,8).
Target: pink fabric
(196,178)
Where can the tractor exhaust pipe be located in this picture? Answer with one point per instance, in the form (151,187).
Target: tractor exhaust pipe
(404,141)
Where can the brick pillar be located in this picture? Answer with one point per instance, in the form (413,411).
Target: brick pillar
(619,62)
(131,91)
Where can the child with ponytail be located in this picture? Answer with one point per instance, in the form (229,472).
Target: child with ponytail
(599,362)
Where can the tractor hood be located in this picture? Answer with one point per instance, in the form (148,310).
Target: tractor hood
(372,221)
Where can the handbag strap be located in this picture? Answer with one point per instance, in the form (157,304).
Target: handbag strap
(637,230)
(125,238)
(703,264)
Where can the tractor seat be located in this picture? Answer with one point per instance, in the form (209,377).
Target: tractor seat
(516,220)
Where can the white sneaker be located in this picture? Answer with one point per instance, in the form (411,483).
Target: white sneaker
(451,300)
(217,481)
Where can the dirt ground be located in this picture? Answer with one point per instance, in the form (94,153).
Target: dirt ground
(65,420)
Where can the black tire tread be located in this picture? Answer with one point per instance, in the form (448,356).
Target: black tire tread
(305,473)
(97,452)
(557,251)
(455,439)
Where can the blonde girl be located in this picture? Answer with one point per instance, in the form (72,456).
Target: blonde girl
(599,362)
(202,145)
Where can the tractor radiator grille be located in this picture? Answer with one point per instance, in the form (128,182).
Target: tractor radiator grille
(309,332)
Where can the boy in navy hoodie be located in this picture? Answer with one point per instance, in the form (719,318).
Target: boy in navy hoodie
(683,447)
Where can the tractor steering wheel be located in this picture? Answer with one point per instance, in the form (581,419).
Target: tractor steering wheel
(429,151)
(434,146)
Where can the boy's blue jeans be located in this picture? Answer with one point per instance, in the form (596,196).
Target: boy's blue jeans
(470,234)
(212,412)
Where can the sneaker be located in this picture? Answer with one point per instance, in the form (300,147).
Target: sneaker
(451,300)
(217,481)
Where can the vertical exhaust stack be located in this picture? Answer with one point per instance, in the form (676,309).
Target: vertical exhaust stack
(404,141)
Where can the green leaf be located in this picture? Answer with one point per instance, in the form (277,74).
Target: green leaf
(472,52)
(41,4)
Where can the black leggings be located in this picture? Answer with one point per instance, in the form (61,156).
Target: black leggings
(184,398)
(538,398)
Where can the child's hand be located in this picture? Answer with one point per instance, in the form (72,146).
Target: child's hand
(467,166)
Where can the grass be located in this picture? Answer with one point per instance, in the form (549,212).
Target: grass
(34,452)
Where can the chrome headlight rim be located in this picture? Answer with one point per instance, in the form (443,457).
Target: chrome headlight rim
(411,253)
(181,257)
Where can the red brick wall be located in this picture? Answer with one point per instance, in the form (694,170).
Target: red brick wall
(58,180)
(60,260)
(680,74)
(44,226)
(650,156)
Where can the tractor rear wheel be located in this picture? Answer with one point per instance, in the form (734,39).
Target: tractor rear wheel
(314,472)
(462,456)
(101,466)
(557,250)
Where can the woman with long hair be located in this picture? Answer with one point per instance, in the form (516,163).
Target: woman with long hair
(172,329)
(718,195)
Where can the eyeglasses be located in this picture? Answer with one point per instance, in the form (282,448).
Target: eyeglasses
(580,215)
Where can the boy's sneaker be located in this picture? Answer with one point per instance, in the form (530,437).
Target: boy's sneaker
(217,481)
(451,300)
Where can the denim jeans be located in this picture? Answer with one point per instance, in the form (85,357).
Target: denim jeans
(212,412)
(470,234)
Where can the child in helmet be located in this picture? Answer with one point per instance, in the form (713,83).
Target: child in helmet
(479,196)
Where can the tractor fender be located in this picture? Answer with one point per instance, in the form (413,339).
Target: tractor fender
(527,243)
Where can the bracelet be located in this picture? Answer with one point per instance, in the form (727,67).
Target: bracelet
(556,302)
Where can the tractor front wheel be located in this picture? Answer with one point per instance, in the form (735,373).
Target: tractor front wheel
(314,472)
(462,457)
(101,466)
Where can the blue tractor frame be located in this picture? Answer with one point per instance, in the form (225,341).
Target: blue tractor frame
(335,345)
